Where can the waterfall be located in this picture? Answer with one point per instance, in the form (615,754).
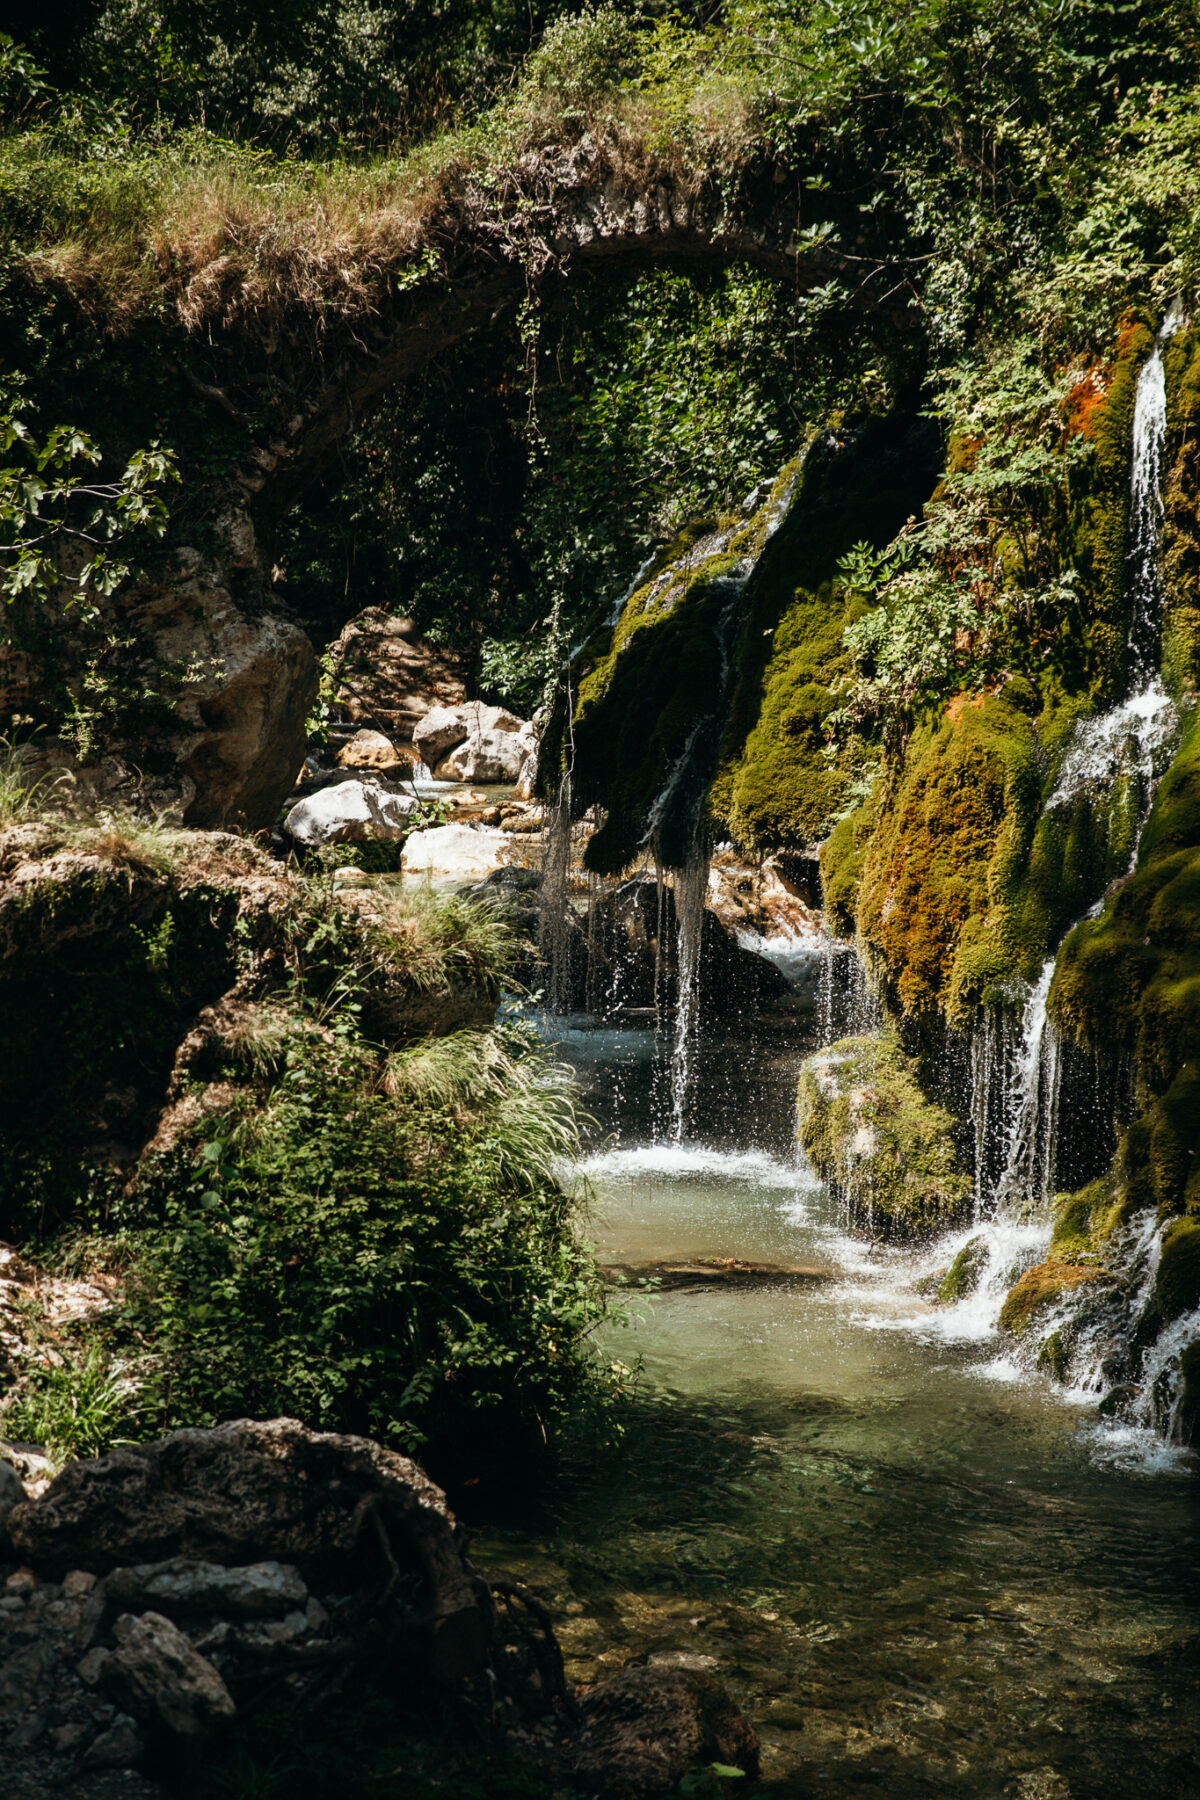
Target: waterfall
(691,889)
(1144,578)
(1015,1085)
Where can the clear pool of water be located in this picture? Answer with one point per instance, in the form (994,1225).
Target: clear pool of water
(920,1570)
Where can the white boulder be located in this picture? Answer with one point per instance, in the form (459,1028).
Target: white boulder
(445,726)
(352,812)
(486,756)
(466,851)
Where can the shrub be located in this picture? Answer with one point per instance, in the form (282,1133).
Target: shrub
(373,1247)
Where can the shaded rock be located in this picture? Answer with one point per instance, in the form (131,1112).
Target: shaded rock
(464,851)
(353,812)
(249,1487)
(643,1730)
(157,1676)
(388,677)
(370,750)
(120,1747)
(180,1587)
(12,1490)
(711,1271)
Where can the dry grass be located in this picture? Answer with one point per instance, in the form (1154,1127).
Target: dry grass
(205,231)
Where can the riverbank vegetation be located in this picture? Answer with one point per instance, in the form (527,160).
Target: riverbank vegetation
(318,1177)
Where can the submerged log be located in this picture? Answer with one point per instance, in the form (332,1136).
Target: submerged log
(710,1271)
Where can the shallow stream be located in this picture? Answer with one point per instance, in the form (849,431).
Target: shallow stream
(918,1569)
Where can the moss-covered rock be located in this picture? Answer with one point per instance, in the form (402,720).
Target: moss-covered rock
(885,1150)
(1085,1221)
(958,875)
(962,1277)
(1177,1282)
(692,696)
(1041,1287)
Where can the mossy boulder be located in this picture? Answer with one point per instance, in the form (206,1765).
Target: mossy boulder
(885,1149)
(1177,1282)
(1086,1220)
(962,1277)
(1041,1287)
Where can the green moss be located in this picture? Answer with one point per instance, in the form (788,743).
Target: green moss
(1084,1221)
(886,1150)
(1177,1282)
(746,717)
(652,702)
(781,783)
(1129,982)
(961,881)
(1039,1288)
(962,1277)
(942,873)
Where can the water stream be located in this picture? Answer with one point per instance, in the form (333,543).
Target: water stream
(920,1568)
(923,1566)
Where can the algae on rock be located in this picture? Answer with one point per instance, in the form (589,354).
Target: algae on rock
(887,1152)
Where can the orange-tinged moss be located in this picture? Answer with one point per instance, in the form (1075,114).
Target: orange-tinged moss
(1039,1288)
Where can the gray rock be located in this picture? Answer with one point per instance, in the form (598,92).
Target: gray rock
(162,1680)
(120,1747)
(251,1487)
(181,1586)
(353,812)
(12,1490)
(485,756)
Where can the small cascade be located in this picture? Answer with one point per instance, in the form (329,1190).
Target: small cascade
(691,889)
(1026,1178)
(554,933)
(1026,1119)
(1144,579)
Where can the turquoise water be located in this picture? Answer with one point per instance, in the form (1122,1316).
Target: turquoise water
(920,1570)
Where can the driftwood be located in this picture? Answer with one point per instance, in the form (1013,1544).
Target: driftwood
(699,1272)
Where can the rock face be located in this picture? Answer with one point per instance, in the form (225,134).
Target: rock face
(465,852)
(353,812)
(140,1624)
(886,1151)
(389,678)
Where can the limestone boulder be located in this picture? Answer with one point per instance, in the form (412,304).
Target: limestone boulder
(352,812)
(462,852)
(370,750)
(445,727)
(439,731)
(485,756)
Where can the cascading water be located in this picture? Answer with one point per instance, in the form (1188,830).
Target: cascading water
(1016,1087)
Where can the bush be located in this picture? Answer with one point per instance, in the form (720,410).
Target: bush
(378,1247)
